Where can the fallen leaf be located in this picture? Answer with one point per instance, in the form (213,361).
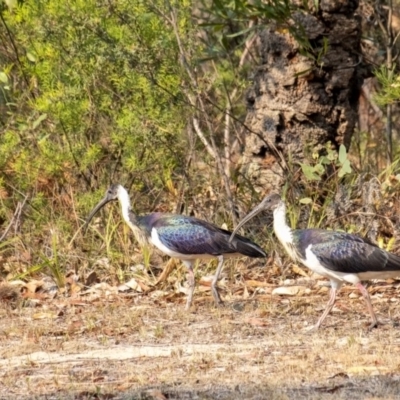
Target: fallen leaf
(17,282)
(299,271)
(171,264)
(158,294)
(353,295)
(101,287)
(44,315)
(253,283)
(92,278)
(289,282)
(288,290)
(33,285)
(255,321)
(130,285)
(75,288)
(144,287)
(206,280)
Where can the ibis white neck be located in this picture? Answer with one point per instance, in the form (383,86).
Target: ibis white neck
(125,203)
(130,217)
(282,229)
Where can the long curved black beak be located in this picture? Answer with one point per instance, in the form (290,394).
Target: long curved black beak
(248,217)
(98,207)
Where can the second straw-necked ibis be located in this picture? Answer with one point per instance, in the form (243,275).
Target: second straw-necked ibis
(183,237)
(341,257)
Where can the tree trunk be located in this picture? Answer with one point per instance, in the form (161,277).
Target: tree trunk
(298,103)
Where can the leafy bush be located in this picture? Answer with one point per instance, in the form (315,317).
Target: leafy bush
(93,93)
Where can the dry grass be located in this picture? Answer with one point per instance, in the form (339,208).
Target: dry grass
(138,346)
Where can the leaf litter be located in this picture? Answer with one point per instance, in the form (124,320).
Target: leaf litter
(94,339)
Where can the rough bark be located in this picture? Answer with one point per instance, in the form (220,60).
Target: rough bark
(298,103)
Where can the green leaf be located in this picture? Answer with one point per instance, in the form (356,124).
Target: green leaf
(346,169)
(319,169)
(240,33)
(309,172)
(324,160)
(342,154)
(332,155)
(3,77)
(305,200)
(38,121)
(30,56)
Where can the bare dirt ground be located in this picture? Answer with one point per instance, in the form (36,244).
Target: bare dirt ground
(141,346)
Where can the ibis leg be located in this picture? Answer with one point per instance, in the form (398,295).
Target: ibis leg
(191,282)
(328,307)
(214,282)
(367,299)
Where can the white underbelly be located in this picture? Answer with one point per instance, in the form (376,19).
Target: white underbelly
(155,241)
(313,263)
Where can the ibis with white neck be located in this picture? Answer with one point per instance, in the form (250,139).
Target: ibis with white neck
(341,257)
(183,237)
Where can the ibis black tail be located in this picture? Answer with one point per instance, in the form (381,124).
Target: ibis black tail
(393,263)
(247,247)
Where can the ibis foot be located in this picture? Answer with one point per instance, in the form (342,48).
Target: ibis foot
(311,329)
(217,297)
(220,304)
(373,325)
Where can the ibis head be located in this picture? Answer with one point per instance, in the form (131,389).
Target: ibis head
(270,202)
(114,192)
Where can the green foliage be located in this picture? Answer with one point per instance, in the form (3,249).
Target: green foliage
(320,182)
(316,53)
(233,21)
(106,81)
(226,13)
(339,162)
(90,92)
(390,86)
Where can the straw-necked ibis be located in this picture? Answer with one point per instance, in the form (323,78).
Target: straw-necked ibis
(183,237)
(341,257)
